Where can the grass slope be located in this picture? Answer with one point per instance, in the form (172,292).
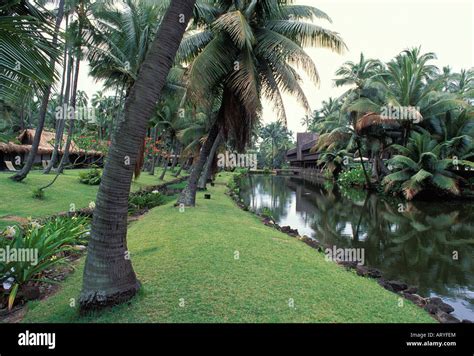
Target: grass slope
(188,267)
(17,197)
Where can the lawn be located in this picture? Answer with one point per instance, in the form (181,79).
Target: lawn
(17,199)
(217,263)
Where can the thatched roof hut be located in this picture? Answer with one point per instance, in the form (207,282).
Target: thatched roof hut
(373,120)
(46,145)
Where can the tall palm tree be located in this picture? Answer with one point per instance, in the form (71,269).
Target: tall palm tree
(45,100)
(108,274)
(463,83)
(357,74)
(247,51)
(277,136)
(120,40)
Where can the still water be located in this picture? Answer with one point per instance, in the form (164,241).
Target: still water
(426,244)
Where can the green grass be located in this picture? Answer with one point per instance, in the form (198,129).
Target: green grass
(17,199)
(189,257)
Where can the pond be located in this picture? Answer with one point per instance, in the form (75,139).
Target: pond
(426,244)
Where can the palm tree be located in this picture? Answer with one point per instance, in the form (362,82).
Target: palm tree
(420,166)
(120,40)
(333,161)
(463,83)
(277,136)
(108,274)
(357,74)
(26,49)
(247,51)
(45,100)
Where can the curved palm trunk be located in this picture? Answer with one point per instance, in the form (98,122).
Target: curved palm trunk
(188,195)
(108,274)
(70,130)
(165,168)
(65,88)
(44,104)
(210,159)
(175,158)
(180,169)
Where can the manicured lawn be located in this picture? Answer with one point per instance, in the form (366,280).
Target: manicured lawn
(217,263)
(16,198)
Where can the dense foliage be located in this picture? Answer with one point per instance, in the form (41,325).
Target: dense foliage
(412,123)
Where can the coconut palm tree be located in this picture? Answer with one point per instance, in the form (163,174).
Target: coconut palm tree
(357,74)
(108,274)
(120,40)
(248,50)
(463,83)
(333,161)
(27,47)
(420,165)
(22,174)
(278,137)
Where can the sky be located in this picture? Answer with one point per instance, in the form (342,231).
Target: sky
(380,29)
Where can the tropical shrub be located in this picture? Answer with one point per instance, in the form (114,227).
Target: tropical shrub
(353,177)
(333,161)
(41,247)
(91,177)
(420,166)
(148,200)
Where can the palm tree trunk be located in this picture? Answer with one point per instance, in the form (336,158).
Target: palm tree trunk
(70,131)
(175,156)
(64,100)
(153,158)
(367,179)
(179,170)
(165,168)
(208,167)
(109,278)
(44,104)
(188,195)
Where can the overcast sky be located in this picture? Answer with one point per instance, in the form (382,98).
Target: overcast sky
(380,29)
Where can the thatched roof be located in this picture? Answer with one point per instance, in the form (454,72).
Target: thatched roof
(373,119)
(46,145)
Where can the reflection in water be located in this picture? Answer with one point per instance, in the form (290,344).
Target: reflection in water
(418,245)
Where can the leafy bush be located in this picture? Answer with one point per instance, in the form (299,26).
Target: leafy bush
(138,202)
(91,177)
(351,178)
(41,247)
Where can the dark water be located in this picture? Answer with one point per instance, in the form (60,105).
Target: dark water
(417,246)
